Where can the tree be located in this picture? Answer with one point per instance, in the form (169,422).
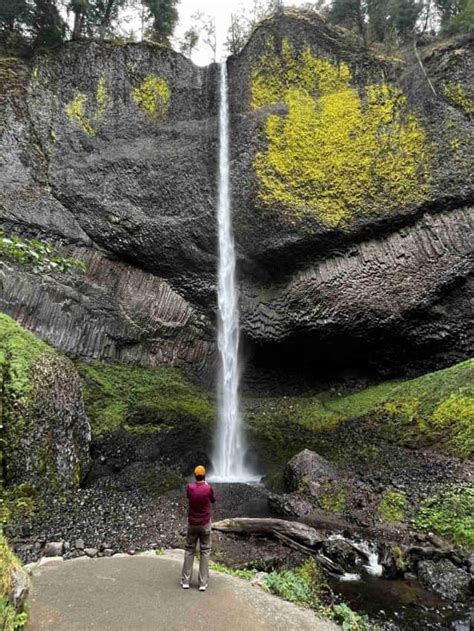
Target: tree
(48,27)
(352,14)
(207,27)
(15,15)
(93,18)
(164,16)
(242,24)
(189,42)
(463,20)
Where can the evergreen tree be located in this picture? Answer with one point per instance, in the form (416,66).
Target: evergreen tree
(48,27)
(164,16)
(15,16)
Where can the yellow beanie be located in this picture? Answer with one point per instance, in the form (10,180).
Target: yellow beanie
(200,470)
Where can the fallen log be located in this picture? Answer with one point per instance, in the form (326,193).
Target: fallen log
(268,527)
(328,564)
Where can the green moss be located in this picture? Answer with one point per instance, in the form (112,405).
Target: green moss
(399,558)
(76,111)
(449,514)
(431,411)
(458,96)
(87,116)
(10,619)
(333,498)
(335,155)
(392,506)
(102,98)
(112,393)
(153,96)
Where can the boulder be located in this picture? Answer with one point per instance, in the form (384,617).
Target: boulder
(90,552)
(20,588)
(306,467)
(444,578)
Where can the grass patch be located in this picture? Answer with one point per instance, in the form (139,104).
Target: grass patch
(333,498)
(392,506)
(449,514)
(225,569)
(10,618)
(305,585)
(141,399)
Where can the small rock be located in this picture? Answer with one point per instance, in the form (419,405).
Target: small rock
(259,578)
(108,552)
(90,552)
(79,544)
(54,549)
(20,588)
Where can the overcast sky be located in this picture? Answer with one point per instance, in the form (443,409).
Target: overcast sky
(221,11)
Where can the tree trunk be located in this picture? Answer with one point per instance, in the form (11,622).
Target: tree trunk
(268,527)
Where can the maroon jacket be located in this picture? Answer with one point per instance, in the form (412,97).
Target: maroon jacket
(200,497)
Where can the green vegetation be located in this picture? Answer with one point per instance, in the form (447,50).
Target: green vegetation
(10,618)
(17,503)
(392,506)
(334,155)
(77,109)
(434,410)
(307,586)
(333,498)
(225,569)
(133,398)
(457,94)
(449,514)
(36,253)
(153,96)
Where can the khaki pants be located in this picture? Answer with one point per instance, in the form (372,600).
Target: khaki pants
(203,535)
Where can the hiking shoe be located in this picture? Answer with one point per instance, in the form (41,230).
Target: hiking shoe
(185,585)
(202,588)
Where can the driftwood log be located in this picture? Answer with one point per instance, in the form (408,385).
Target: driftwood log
(307,535)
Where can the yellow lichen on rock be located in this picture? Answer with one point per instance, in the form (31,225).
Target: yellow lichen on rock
(102,98)
(75,110)
(153,96)
(335,155)
(457,94)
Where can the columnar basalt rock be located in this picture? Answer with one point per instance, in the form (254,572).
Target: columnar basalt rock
(110,151)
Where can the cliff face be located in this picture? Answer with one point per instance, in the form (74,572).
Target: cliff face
(352,199)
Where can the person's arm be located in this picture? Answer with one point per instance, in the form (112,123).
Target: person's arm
(212,496)
(187,491)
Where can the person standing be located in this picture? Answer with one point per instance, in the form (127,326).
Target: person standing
(200,496)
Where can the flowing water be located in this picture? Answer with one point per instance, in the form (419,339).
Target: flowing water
(229,453)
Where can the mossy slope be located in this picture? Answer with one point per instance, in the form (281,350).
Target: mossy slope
(435,410)
(44,431)
(139,399)
(10,617)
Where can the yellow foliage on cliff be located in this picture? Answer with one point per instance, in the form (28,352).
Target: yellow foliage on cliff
(335,155)
(153,96)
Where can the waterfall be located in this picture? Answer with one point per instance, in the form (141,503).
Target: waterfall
(229,452)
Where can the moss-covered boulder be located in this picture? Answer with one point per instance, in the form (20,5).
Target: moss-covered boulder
(45,432)
(14,587)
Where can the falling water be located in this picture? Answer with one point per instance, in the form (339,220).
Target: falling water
(229,453)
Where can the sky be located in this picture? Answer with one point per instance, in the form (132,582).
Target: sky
(221,11)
